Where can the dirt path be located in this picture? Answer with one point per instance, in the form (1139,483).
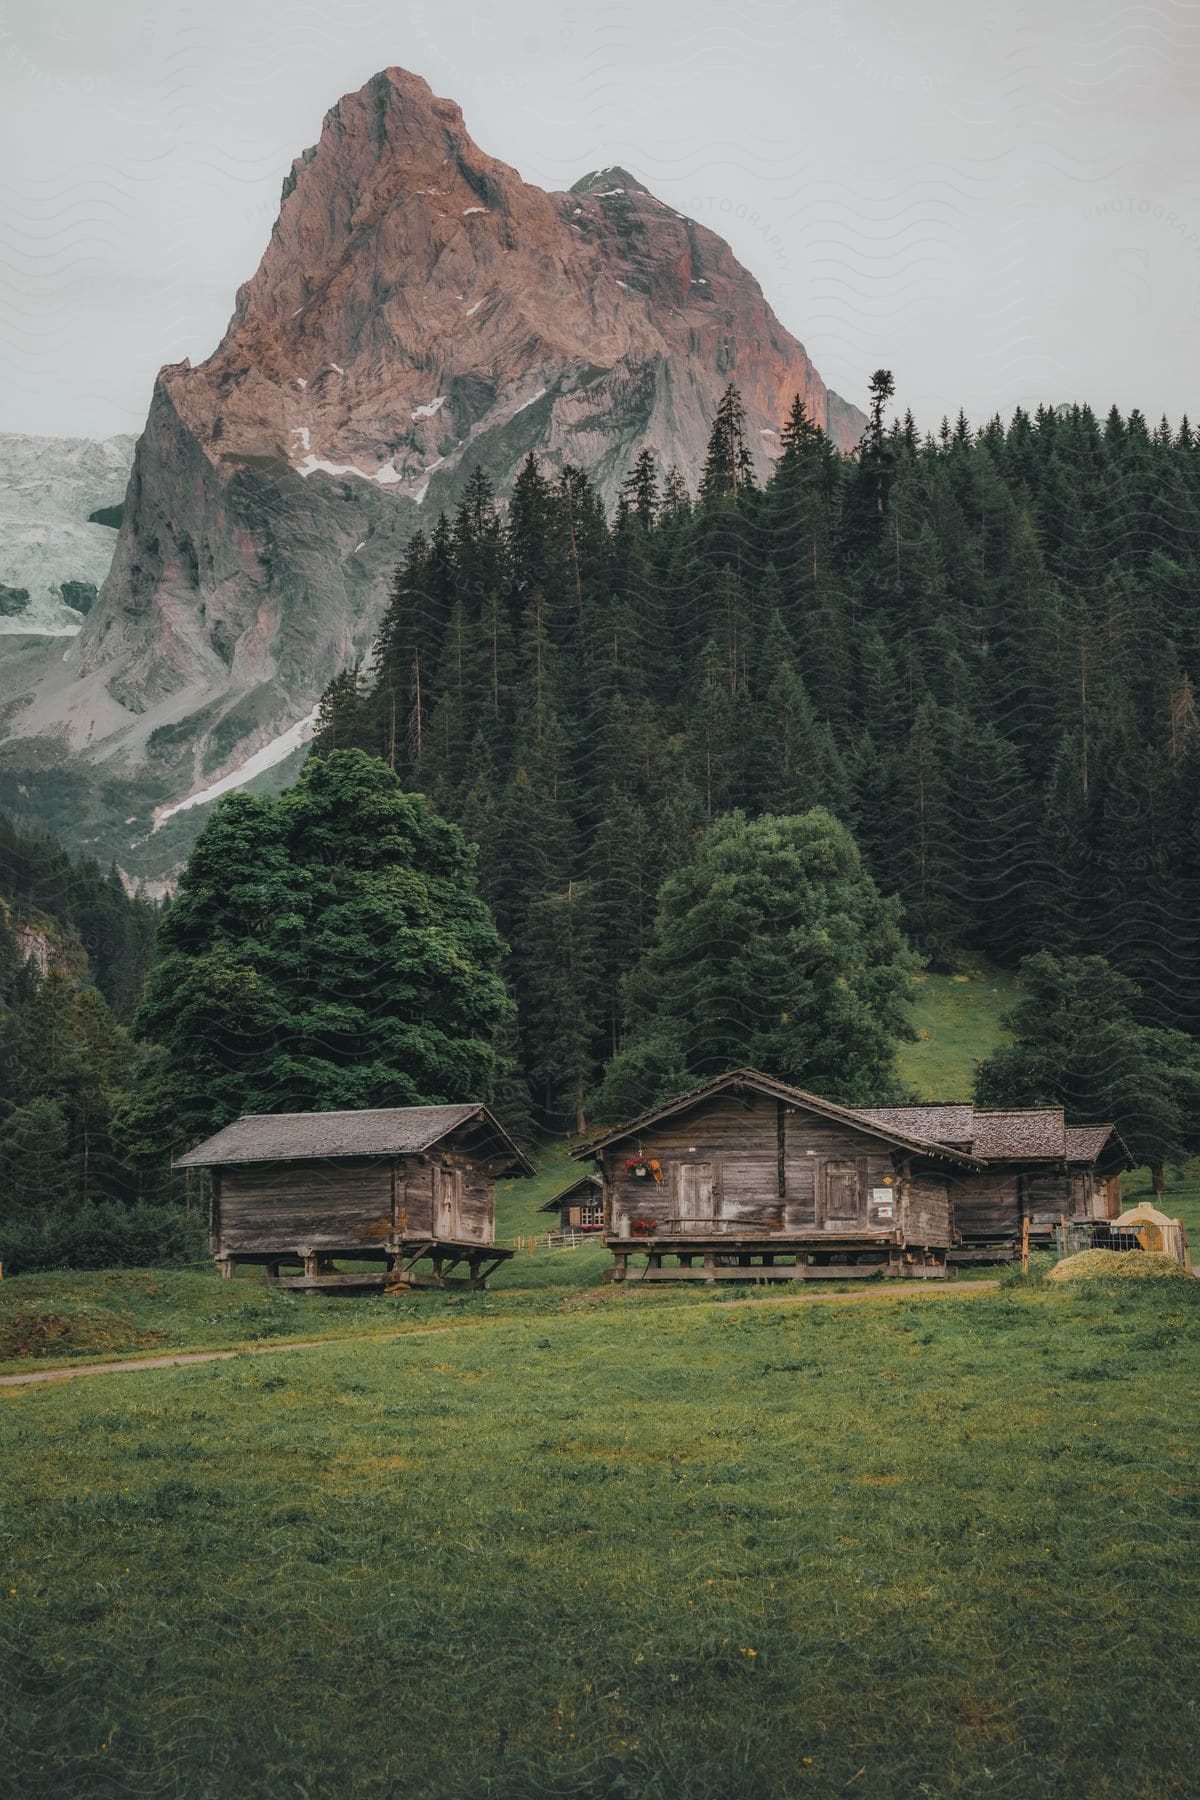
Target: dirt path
(183,1358)
(161,1362)
(931,1290)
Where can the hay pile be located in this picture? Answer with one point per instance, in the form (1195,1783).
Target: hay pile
(1119,1265)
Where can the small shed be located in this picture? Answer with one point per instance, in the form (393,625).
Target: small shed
(580,1207)
(393,1186)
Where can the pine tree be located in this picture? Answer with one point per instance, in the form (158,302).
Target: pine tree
(728,467)
(639,493)
(874,454)
(343,719)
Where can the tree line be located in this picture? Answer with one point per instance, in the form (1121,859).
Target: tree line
(977,650)
(619,803)
(78,1184)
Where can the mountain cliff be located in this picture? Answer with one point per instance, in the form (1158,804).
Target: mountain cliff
(419,311)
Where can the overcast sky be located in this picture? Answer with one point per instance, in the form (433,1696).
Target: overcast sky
(1000,202)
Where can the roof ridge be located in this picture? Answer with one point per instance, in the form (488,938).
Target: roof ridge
(772,1083)
(356,1112)
(350,1131)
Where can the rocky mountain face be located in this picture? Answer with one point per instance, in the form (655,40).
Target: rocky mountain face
(54,555)
(419,311)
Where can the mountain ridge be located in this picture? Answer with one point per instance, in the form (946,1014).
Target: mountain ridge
(419,311)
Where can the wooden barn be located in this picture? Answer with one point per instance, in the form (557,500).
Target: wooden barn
(1035,1167)
(580,1207)
(747,1178)
(398,1187)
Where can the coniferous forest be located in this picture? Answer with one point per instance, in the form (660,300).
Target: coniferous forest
(977,650)
(734,765)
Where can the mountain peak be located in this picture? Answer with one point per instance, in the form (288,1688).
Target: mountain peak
(419,312)
(605,182)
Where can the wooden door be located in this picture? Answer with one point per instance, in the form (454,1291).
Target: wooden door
(694,1193)
(447,1202)
(843,1197)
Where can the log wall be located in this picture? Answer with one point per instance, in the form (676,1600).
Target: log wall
(989,1208)
(327,1205)
(343,1203)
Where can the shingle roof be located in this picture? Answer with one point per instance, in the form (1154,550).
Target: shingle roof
(303,1137)
(780,1090)
(998,1136)
(944,1124)
(1015,1136)
(1085,1142)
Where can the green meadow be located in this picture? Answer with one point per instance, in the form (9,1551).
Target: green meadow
(916,1545)
(564,1539)
(957,1022)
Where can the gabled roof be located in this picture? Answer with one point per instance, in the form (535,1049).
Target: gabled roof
(767,1085)
(307,1137)
(1086,1143)
(588,1184)
(1039,1133)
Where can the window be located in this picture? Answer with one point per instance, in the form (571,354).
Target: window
(591,1215)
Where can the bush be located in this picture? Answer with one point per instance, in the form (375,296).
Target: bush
(106,1236)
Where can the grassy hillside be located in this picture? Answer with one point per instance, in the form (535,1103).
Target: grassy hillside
(757,1549)
(957,1019)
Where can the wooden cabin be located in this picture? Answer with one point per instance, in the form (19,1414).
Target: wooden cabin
(1035,1167)
(396,1187)
(748,1179)
(580,1207)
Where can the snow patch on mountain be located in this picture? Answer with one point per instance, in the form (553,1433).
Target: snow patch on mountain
(48,488)
(275,752)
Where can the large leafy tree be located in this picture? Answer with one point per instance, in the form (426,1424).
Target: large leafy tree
(1079,1044)
(772,948)
(328,949)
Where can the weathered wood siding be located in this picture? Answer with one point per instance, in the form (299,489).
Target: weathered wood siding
(773,1169)
(343,1203)
(1051,1197)
(476,1194)
(475,1199)
(325,1205)
(926,1211)
(987,1207)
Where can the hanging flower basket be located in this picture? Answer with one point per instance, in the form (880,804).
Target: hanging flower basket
(643,1167)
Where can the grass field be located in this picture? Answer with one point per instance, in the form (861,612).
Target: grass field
(957,1020)
(561,1539)
(929,1545)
